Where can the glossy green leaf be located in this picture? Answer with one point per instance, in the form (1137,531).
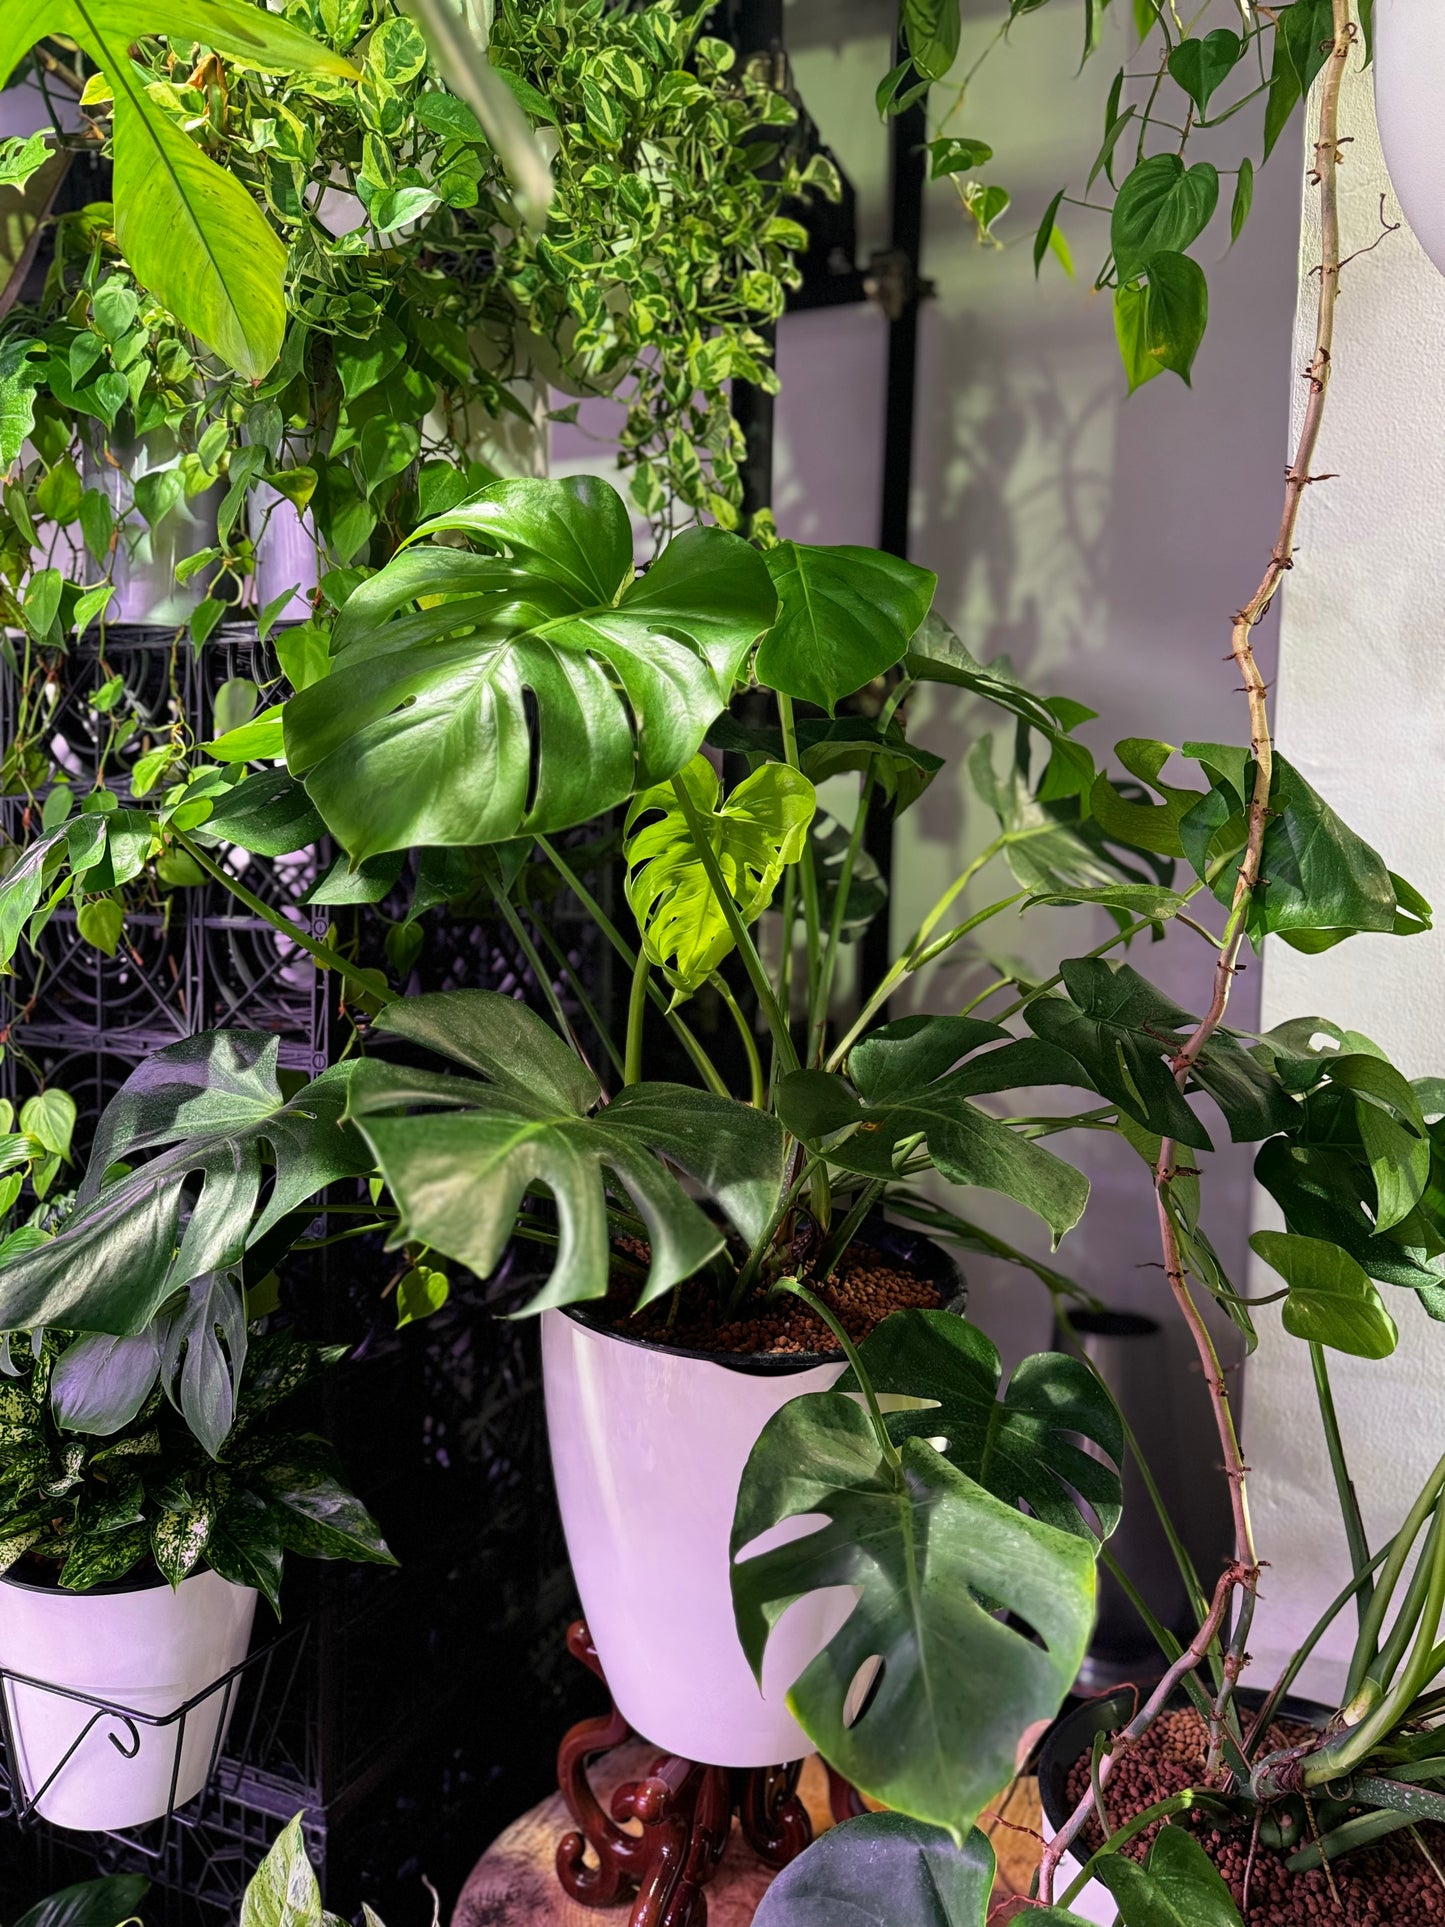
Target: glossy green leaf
(954,154)
(959,1686)
(318,1517)
(1161,323)
(462,60)
(845,615)
(908,1083)
(49,1117)
(1243,201)
(1161,209)
(459,1166)
(283,1891)
(1182,1887)
(209,1107)
(1019,1445)
(94,1903)
(99,1383)
(99,922)
(836,746)
(931,29)
(882,1869)
(1123,1034)
(268,813)
(754,834)
(1331,1300)
(426,729)
(245,1545)
(1201,67)
(1303,36)
(1327,1192)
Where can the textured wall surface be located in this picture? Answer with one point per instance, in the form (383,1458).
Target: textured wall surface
(1361,710)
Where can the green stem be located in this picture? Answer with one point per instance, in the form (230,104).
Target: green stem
(579,990)
(758,1091)
(815,1304)
(1161,1810)
(848,1230)
(1407,1619)
(787,1198)
(819,1025)
(741,936)
(636,1013)
(321,953)
(1367,1644)
(1344,1485)
(812,915)
(1265,1716)
(540,971)
(702,1063)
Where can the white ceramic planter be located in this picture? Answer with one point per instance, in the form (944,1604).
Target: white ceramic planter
(1409,56)
(286,554)
(648,1449)
(150,1650)
(144,572)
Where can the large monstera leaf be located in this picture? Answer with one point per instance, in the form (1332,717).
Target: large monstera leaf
(191,232)
(979,1614)
(538,684)
(914,1080)
(213,1111)
(459,1154)
(1021,1447)
(756,833)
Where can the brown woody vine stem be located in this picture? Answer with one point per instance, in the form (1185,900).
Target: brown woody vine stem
(1242,1577)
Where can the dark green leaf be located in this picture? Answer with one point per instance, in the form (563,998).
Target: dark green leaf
(883,1868)
(99,1383)
(1202,66)
(95,1903)
(245,1546)
(1182,1887)
(845,616)
(1045,232)
(459,1170)
(931,29)
(425,730)
(1020,1446)
(959,1685)
(1162,208)
(317,1516)
(1243,199)
(103,1556)
(954,155)
(1303,36)
(268,813)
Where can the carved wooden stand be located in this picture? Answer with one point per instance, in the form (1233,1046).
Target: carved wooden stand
(686,1811)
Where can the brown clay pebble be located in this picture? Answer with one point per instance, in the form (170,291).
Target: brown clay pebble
(1391,1884)
(860,1295)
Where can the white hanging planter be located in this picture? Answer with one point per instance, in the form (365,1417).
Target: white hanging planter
(146,1648)
(144,565)
(648,1449)
(286,554)
(1409,56)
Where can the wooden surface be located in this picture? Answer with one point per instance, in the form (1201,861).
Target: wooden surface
(514,1884)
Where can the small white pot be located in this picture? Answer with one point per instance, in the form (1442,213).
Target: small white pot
(1409,57)
(286,554)
(144,565)
(648,1449)
(148,1649)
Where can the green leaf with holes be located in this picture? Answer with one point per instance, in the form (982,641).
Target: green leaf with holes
(535,684)
(911,1088)
(754,834)
(937,1563)
(1020,1445)
(460,1153)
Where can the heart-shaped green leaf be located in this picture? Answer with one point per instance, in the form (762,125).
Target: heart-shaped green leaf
(932,29)
(1160,324)
(754,835)
(880,1868)
(94,1903)
(1162,207)
(545,684)
(960,1683)
(459,1154)
(1331,1300)
(1202,66)
(845,615)
(1181,1888)
(1019,1446)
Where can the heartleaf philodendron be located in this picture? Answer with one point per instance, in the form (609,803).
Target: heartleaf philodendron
(845,616)
(754,834)
(476,697)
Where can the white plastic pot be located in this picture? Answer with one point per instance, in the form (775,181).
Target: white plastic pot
(148,1649)
(648,1449)
(286,554)
(1409,57)
(144,566)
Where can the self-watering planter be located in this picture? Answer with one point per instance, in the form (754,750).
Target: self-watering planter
(116,1701)
(648,1448)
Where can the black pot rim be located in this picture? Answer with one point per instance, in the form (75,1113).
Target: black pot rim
(1071,1734)
(110,1588)
(896,1240)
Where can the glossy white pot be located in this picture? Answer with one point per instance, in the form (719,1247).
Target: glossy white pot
(648,1449)
(287,562)
(1409,58)
(144,565)
(148,1649)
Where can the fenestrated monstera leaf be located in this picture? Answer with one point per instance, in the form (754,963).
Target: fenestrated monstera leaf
(755,834)
(845,615)
(211,1107)
(459,1165)
(909,1083)
(959,1687)
(1123,1034)
(1020,1446)
(545,685)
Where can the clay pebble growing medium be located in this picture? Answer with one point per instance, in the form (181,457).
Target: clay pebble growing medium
(1388,1885)
(861,1295)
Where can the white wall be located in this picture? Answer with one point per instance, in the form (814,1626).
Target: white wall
(1361,710)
